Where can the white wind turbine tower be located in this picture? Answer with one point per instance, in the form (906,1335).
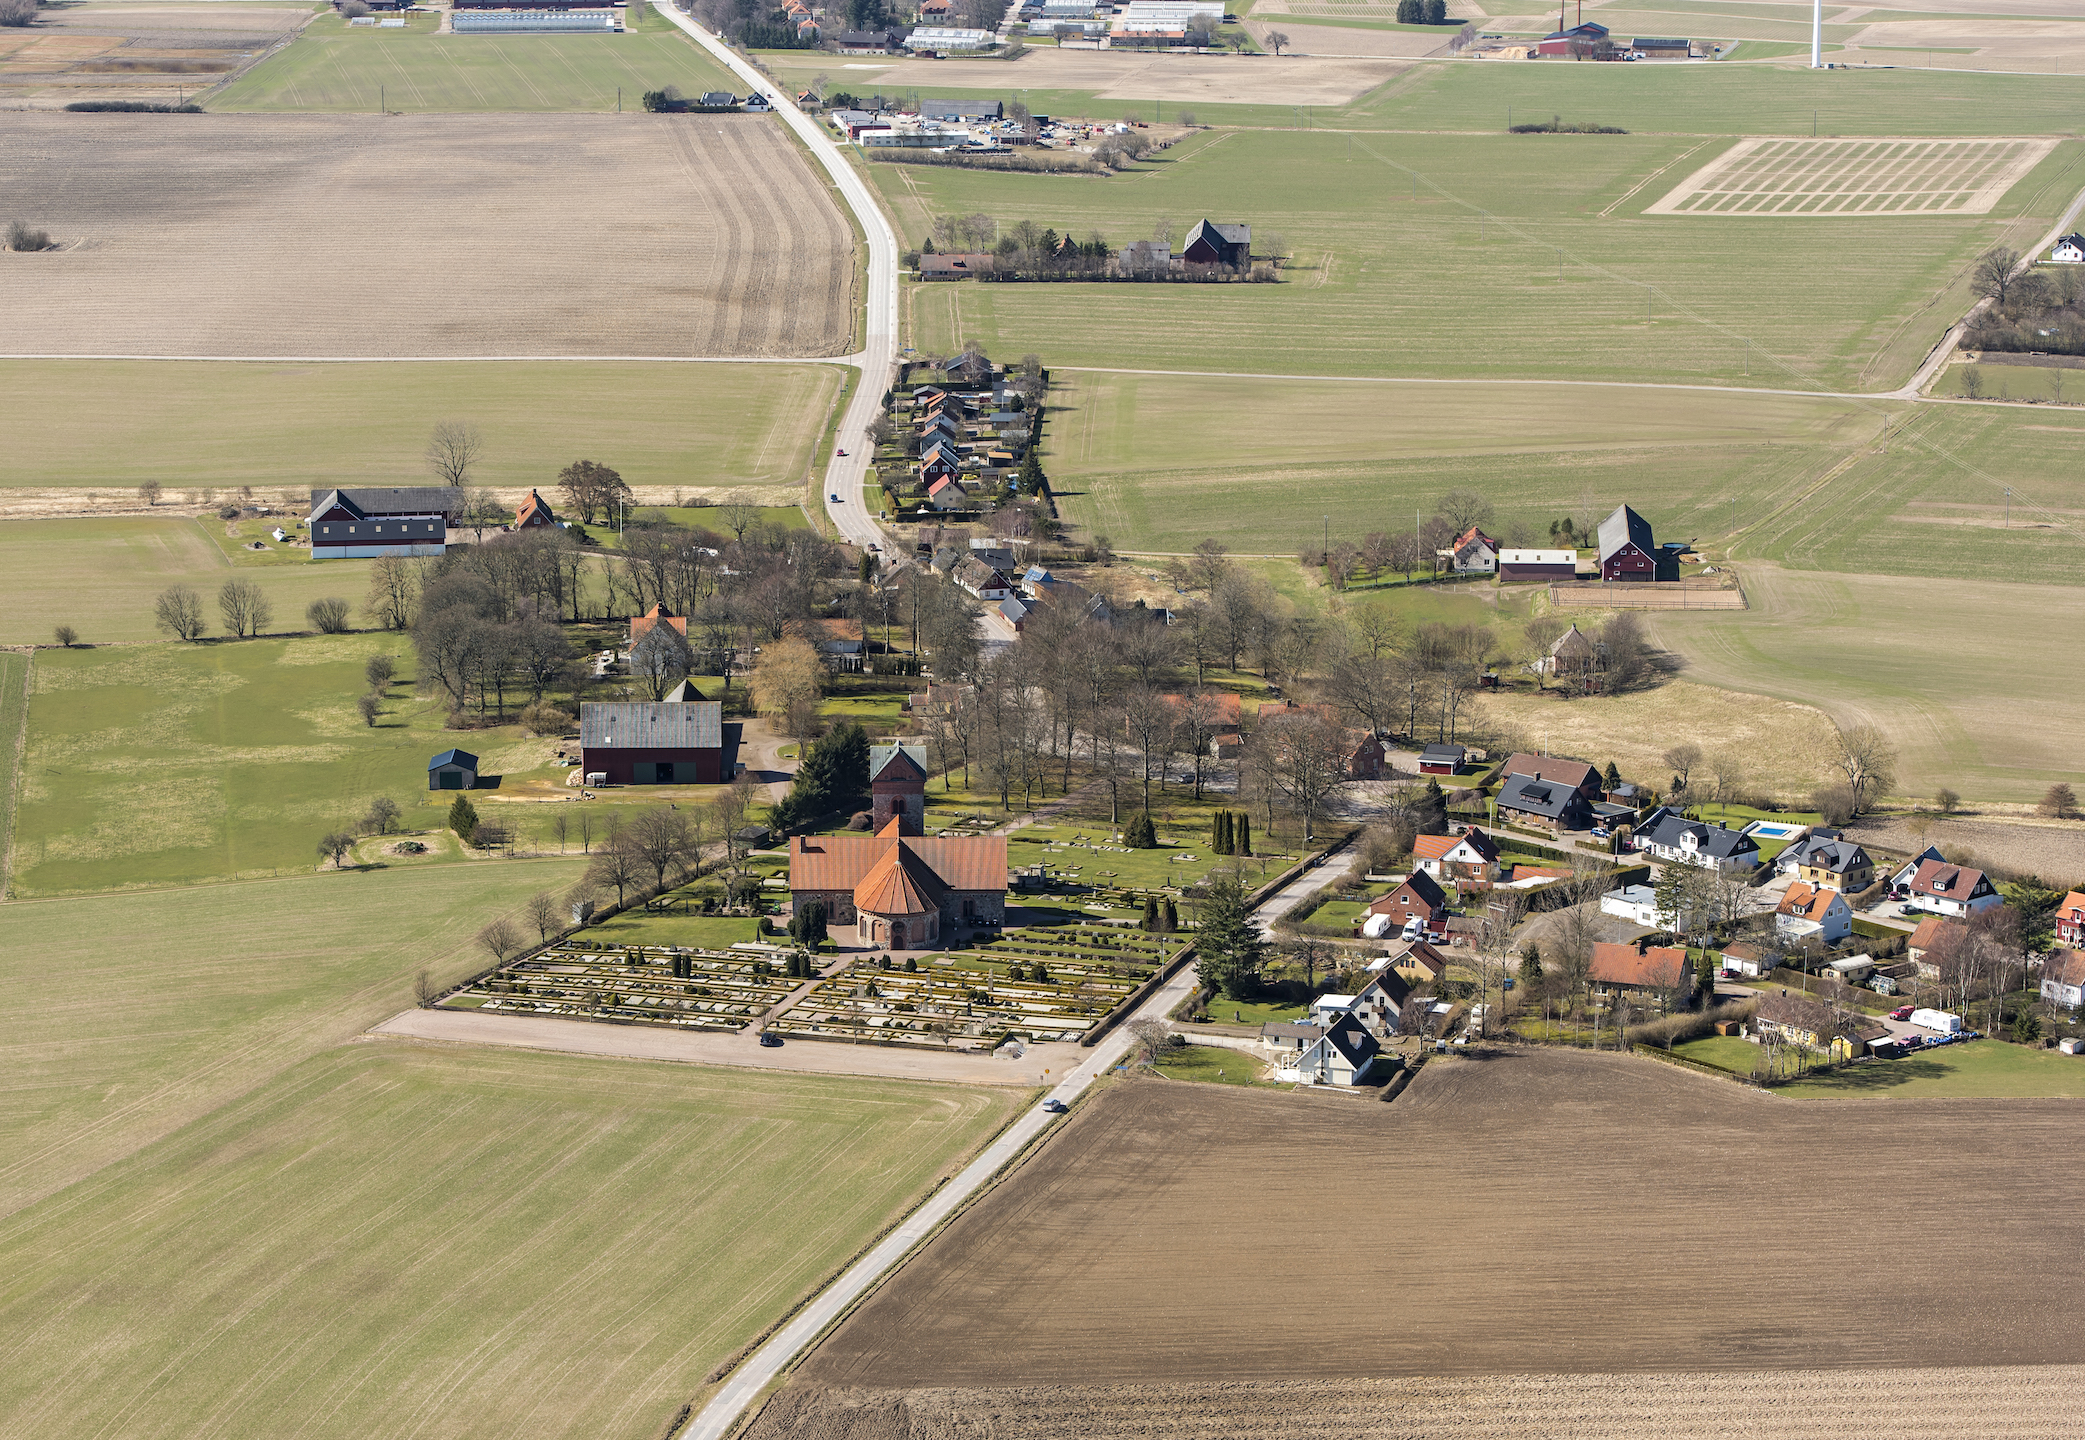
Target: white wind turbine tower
(1816,34)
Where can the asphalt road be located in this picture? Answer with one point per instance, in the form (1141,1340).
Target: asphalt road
(878,356)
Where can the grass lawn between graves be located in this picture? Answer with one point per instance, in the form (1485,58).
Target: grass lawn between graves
(333,66)
(394,1237)
(1984,1069)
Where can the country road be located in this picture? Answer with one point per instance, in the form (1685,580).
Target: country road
(764,1365)
(878,356)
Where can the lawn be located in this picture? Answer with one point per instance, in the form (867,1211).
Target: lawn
(212,426)
(394,1238)
(710,518)
(1161,462)
(331,66)
(696,932)
(1725,1052)
(1250,1012)
(1212,1064)
(1565,279)
(169,764)
(1181,859)
(1985,1069)
(131,1015)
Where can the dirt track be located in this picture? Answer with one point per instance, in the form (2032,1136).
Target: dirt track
(1537,1213)
(358,236)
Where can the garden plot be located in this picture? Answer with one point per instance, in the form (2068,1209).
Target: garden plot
(1855,177)
(1055,986)
(713,989)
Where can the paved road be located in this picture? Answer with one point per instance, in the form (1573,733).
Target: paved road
(761,1368)
(878,356)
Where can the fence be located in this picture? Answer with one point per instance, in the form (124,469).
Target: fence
(1655,1052)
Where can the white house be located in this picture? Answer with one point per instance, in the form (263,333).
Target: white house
(1343,1055)
(1944,889)
(1808,913)
(2063,978)
(1380,1002)
(2070,250)
(1329,1010)
(1638,904)
(1673,837)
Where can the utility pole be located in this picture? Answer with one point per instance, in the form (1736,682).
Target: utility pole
(2008,507)
(1328,531)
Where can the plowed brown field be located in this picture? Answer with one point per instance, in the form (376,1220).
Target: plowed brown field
(1536,1213)
(364,236)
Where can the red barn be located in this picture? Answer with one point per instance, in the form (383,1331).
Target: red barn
(667,742)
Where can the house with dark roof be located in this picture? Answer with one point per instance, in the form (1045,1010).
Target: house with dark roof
(897,891)
(1944,889)
(657,742)
(365,523)
(1289,1038)
(1419,896)
(981,579)
(2070,250)
(535,514)
(1552,804)
(452,770)
(1629,552)
(954,266)
(1211,243)
(1415,962)
(1441,759)
(1379,1004)
(1671,836)
(1839,864)
(1343,1055)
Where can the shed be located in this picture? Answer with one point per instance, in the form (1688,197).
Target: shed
(453,770)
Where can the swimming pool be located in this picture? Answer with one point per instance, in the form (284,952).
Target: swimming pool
(1771,829)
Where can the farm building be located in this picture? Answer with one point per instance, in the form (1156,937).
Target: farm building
(1955,890)
(2069,919)
(1210,243)
(962,109)
(1572,653)
(1473,553)
(1560,42)
(361,524)
(901,892)
(865,42)
(657,742)
(535,514)
(1660,47)
(2070,250)
(1472,855)
(453,770)
(1629,553)
(511,22)
(935,37)
(955,267)
(1808,913)
(1517,566)
(1441,759)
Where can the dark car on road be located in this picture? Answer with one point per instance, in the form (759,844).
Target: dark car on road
(770,1040)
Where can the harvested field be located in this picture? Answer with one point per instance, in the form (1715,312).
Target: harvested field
(2052,849)
(1575,1214)
(152,53)
(1783,178)
(2032,1403)
(1709,594)
(271,236)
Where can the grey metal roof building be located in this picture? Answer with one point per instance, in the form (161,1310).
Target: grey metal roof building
(651,725)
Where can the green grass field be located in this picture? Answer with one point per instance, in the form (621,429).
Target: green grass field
(283,429)
(1725,1052)
(132,1015)
(1392,275)
(1211,1064)
(169,764)
(394,1238)
(1981,1069)
(1161,462)
(334,67)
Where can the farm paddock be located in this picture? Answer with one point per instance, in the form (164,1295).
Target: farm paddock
(1778,178)
(1552,1213)
(367,237)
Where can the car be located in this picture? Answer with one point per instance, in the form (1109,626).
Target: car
(839,452)
(834,497)
(1055,1106)
(771,1041)
(1902,1012)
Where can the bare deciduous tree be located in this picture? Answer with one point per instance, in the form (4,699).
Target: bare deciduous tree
(1868,761)
(368,707)
(150,491)
(1277,41)
(335,846)
(179,612)
(453,450)
(65,635)
(544,913)
(1150,1039)
(328,616)
(500,939)
(244,606)
(1462,509)
(1993,275)
(383,816)
(1681,760)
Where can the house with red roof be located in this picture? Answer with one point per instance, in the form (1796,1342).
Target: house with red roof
(2070,919)
(535,514)
(1473,553)
(1943,889)
(640,625)
(1653,971)
(1471,856)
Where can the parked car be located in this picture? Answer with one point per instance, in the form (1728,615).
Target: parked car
(1902,1012)
(771,1041)
(1055,1106)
